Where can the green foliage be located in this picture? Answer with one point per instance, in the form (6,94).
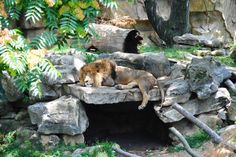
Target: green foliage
(195,141)
(44,40)
(178,53)
(14,58)
(66,20)
(177,148)
(10,147)
(89,57)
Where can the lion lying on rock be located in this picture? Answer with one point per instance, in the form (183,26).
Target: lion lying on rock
(104,72)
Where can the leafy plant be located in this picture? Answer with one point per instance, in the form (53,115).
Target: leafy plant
(26,65)
(65,20)
(195,141)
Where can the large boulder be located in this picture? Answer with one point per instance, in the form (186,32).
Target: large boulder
(155,63)
(195,106)
(205,75)
(178,91)
(203,40)
(68,65)
(110,38)
(65,115)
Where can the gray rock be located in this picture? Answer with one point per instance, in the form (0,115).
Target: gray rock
(24,133)
(50,141)
(190,39)
(178,91)
(68,66)
(21,115)
(231,110)
(110,38)
(67,72)
(108,95)
(177,71)
(157,64)
(215,102)
(205,76)
(11,92)
(73,140)
(5,107)
(11,124)
(65,115)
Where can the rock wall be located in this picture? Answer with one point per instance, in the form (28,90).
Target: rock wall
(213,17)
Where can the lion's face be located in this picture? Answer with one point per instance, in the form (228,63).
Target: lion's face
(89,80)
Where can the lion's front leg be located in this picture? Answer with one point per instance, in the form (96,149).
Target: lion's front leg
(98,80)
(128,86)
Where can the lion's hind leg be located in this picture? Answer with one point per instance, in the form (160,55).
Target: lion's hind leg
(128,86)
(144,87)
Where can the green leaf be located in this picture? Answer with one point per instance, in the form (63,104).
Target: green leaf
(34,11)
(44,40)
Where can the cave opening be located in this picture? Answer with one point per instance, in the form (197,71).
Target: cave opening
(124,124)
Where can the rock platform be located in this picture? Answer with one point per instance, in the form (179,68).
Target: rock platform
(109,95)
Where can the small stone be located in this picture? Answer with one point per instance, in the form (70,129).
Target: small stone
(49,141)
(73,140)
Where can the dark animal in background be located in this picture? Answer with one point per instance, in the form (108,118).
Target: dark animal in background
(132,40)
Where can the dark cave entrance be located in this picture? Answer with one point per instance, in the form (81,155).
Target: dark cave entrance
(124,124)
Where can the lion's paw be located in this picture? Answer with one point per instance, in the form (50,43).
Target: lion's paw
(140,107)
(119,86)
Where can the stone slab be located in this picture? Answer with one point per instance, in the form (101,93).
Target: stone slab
(109,95)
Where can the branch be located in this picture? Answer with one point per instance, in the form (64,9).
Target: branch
(124,153)
(184,142)
(216,138)
(230,85)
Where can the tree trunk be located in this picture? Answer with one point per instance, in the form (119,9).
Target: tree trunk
(177,24)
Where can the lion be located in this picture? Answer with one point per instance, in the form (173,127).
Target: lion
(96,72)
(124,78)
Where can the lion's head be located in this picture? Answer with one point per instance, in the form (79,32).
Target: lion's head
(94,74)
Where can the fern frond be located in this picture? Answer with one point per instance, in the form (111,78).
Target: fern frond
(49,70)
(21,82)
(4,22)
(9,3)
(34,11)
(44,40)
(14,12)
(15,61)
(68,23)
(109,3)
(51,20)
(36,88)
(19,43)
(3,49)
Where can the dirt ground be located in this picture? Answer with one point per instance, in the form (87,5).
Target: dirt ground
(163,152)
